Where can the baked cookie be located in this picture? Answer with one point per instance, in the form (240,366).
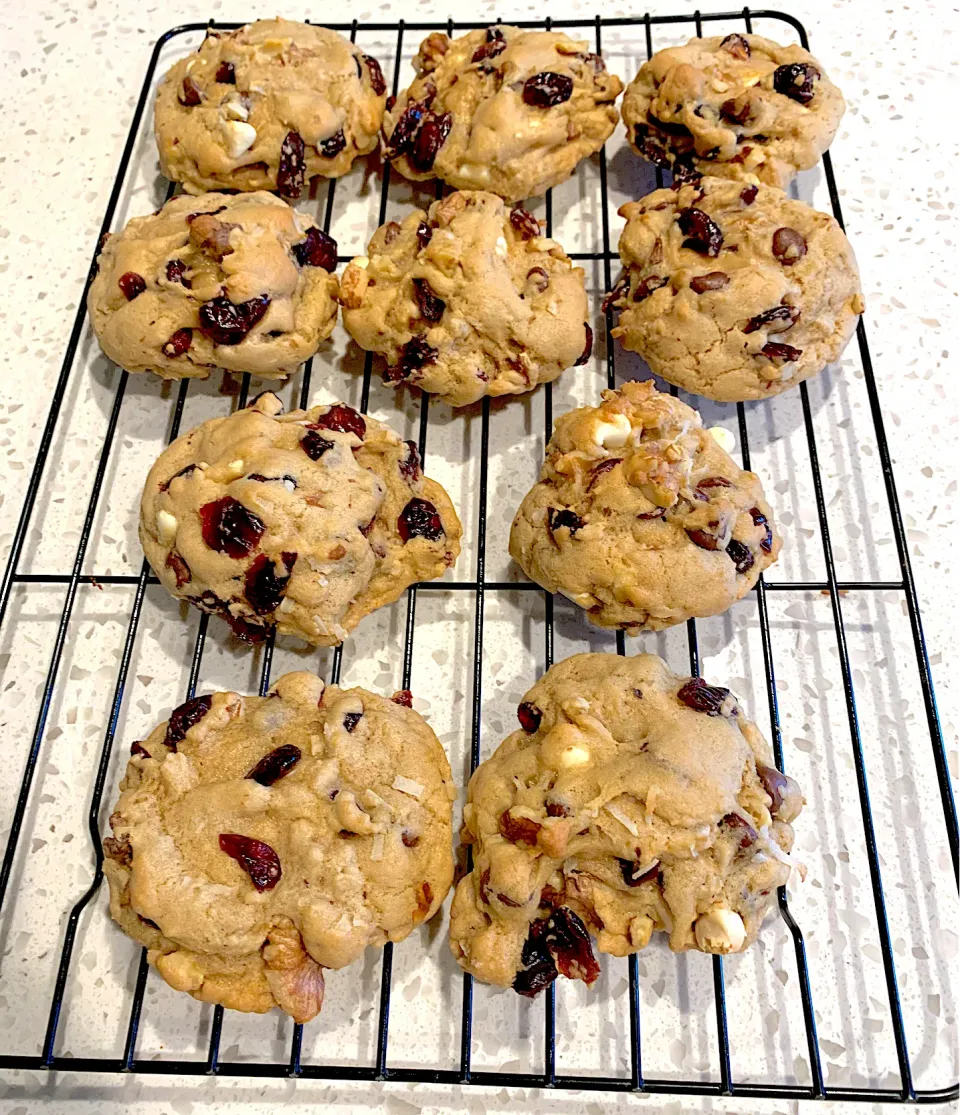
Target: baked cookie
(631,800)
(468,301)
(739,107)
(259,840)
(503,109)
(300,522)
(640,517)
(734,292)
(232,281)
(266,107)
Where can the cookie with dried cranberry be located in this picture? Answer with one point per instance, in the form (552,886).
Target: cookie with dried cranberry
(258,841)
(468,300)
(734,292)
(640,517)
(503,109)
(268,107)
(630,801)
(739,106)
(301,523)
(238,281)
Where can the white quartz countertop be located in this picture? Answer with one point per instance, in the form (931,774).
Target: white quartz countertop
(72,73)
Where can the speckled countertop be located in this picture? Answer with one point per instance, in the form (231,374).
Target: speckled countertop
(73,71)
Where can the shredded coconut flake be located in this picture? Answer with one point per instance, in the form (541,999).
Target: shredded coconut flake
(407,786)
(376,852)
(777,852)
(628,823)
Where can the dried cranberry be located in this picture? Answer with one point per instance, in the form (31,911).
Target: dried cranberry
(292,168)
(773,350)
(377,83)
(546,89)
(431,307)
(587,347)
(760,520)
(788,246)
(538,279)
(416,354)
(774,783)
(403,697)
(740,555)
(189,95)
(748,834)
(275,765)
(598,470)
(702,232)
(538,969)
(409,839)
(424,235)
(699,696)
(137,748)
(410,465)
(176,272)
(494,45)
(230,528)
(525,223)
(285,479)
(620,288)
(647,286)
(185,471)
(226,74)
(736,45)
(178,343)
(568,942)
(227,323)
(713,280)
(430,137)
(734,113)
(132,285)
(778,313)
(259,860)
(684,171)
(748,195)
(317,249)
(402,137)
(181,570)
(419,519)
(331,147)
(557,809)
(342,418)
(529,716)
(314,445)
(628,870)
(796,81)
(715,482)
(182,719)
(557,520)
(704,539)
(351,720)
(263,586)
(520,830)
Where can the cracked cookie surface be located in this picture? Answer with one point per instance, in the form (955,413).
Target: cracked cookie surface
(739,106)
(734,292)
(302,522)
(468,300)
(640,517)
(260,840)
(268,107)
(503,109)
(631,800)
(241,282)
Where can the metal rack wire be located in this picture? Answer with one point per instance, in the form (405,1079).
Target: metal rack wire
(478,588)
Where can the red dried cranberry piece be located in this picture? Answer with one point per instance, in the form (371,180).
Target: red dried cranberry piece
(598,470)
(525,223)
(176,272)
(628,870)
(275,765)
(286,478)
(788,246)
(230,528)
(568,942)
(419,519)
(416,354)
(185,471)
(263,586)
(424,235)
(403,134)
(410,839)
(587,348)
(317,249)
(647,286)
(748,832)
(713,280)
(431,307)
(620,288)
(226,74)
(342,418)
(699,696)
(773,350)
(557,809)
(518,829)
(179,343)
(546,89)
(777,313)
(494,45)
(538,279)
(796,81)
(189,95)
(137,748)
(558,519)
(736,45)
(715,482)
(702,232)
(259,860)
(774,783)
(351,720)
(292,168)
(760,520)
(740,555)
(403,697)
(314,445)
(332,146)
(132,285)
(735,114)
(538,969)
(410,465)
(748,195)
(227,323)
(180,568)
(182,719)
(376,75)
(704,539)
(529,716)
(430,137)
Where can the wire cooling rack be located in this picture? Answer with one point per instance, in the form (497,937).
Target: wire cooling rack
(664,1023)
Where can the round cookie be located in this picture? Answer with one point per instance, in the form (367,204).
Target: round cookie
(302,522)
(740,107)
(266,107)
(734,292)
(631,801)
(259,840)
(504,110)
(242,282)
(640,517)
(468,301)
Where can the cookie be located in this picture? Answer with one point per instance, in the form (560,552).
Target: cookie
(640,517)
(734,292)
(504,110)
(242,282)
(630,801)
(267,107)
(740,107)
(259,840)
(468,301)
(302,522)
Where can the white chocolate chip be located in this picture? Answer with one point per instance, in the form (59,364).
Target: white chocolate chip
(286,605)
(360,261)
(501,246)
(233,108)
(723,438)
(613,434)
(720,931)
(233,470)
(166,527)
(289,483)
(238,137)
(574,756)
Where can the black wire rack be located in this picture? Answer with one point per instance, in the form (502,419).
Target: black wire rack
(723,1084)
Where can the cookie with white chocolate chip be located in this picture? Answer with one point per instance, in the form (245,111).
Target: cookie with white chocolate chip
(302,522)
(739,106)
(640,517)
(468,300)
(258,841)
(630,801)
(503,109)
(267,107)
(241,282)
(734,292)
